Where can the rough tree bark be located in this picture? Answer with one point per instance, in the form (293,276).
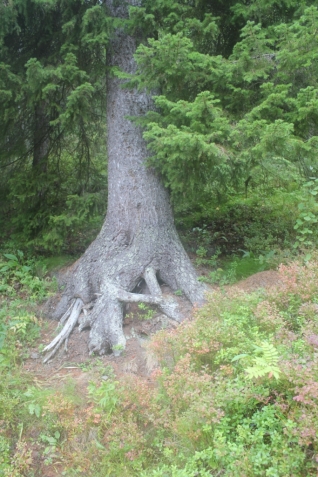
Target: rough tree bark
(138,239)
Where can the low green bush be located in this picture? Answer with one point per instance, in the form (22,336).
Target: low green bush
(233,392)
(257,224)
(236,393)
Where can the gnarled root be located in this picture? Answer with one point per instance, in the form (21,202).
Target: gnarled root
(106,331)
(73,312)
(106,317)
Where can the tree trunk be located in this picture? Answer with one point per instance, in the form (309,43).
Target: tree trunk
(138,239)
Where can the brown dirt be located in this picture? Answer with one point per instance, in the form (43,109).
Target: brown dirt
(75,363)
(267,279)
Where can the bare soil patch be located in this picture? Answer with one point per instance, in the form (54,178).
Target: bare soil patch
(266,279)
(75,363)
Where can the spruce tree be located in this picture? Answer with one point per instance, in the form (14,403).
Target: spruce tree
(52,101)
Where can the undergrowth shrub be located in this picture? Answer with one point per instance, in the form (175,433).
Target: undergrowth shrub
(233,392)
(21,289)
(236,391)
(19,275)
(257,224)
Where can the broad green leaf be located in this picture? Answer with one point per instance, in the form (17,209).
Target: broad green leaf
(10,256)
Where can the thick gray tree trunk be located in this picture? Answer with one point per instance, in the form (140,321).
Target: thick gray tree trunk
(138,239)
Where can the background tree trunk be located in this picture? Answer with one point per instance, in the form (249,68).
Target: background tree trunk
(138,239)
(41,138)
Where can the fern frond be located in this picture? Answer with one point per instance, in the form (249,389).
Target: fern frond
(270,353)
(265,364)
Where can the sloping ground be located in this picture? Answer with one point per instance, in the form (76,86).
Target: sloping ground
(245,361)
(75,362)
(265,279)
(76,367)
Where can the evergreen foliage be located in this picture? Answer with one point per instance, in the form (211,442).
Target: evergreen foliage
(52,122)
(236,101)
(229,114)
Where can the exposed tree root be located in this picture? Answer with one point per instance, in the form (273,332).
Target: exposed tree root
(74,312)
(105,318)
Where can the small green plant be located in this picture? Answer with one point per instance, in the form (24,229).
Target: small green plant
(263,365)
(213,277)
(105,396)
(4,455)
(16,328)
(221,276)
(229,276)
(147,311)
(35,399)
(52,443)
(18,273)
(90,364)
(86,366)
(19,325)
(202,257)
(118,347)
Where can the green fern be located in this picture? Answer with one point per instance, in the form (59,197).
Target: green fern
(266,364)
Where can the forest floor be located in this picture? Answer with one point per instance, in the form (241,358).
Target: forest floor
(74,371)
(77,365)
